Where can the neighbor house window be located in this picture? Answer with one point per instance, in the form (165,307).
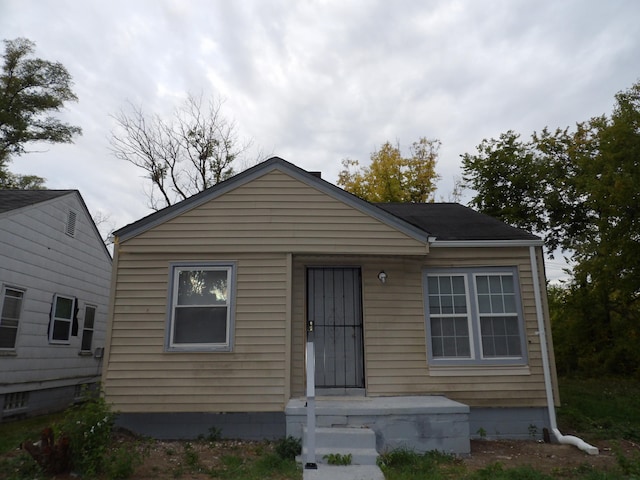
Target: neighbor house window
(15,401)
(200,307)
(10,316)
(474,316)
(62,313)
(87,329)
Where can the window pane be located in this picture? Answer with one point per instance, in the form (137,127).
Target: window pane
(432,285)
(87,337)
(434,304)
(436,347)
(510,303)
(463,348)
(482,284)
(458,285)
(436,327)
(448,329)
(12,303)
(447,304)
(495,284)
(89,317)
(460,304)
(200,325)
(496,304)
(202,287)
(61,330)
(449,346)
(484,303)
(461,327)
(8,336)
(507,284)
(63,308)
(445,285)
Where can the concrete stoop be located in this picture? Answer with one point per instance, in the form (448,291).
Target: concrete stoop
(360,443)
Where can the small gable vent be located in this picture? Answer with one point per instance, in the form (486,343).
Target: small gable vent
(71,224)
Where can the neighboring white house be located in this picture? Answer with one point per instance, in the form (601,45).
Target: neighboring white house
(54,289)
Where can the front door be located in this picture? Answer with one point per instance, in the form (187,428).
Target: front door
(334,305)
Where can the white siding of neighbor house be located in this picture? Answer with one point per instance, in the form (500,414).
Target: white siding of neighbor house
(38,257)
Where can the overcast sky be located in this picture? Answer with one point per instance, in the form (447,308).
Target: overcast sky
(318,81)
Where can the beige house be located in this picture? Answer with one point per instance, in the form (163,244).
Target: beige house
(431,304)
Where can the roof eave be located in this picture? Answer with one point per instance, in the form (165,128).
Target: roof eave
(486,243)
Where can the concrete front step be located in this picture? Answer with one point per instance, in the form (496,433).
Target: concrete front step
(360,443)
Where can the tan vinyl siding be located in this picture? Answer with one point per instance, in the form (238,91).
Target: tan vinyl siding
(276,213)
(394,329)
(141,377)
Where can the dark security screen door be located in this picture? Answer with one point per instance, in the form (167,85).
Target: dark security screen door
(334,304)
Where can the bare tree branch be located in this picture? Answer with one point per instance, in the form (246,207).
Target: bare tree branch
(193,150)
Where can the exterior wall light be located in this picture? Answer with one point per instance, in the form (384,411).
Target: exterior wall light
(382,277)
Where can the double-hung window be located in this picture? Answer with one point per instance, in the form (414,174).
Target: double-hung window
(474,316)
(87,329)
(200,316)
(10,316)
(62,314)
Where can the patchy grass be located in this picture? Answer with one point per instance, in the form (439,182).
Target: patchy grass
(13,433)
(600,408)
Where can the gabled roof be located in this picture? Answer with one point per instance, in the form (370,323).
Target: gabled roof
(274,163)
(442,222)
(455,222)
(11,200)
(14,199)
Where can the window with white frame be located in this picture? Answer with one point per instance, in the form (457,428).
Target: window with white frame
(62,313)
(200,307)
(87,328)
(474,316)
(10,316)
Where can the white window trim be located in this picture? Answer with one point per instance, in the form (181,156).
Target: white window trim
(477,355)
(55,319)
(4,296)
(174,268)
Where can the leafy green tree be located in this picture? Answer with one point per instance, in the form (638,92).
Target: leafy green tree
(580,190)
(393,178)
(31,90)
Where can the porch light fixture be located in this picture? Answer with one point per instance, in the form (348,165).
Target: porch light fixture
(382,277)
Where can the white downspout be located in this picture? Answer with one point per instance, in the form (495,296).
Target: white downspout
(310,461)
(564,439)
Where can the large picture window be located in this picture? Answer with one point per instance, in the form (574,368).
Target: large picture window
(200,311)
(474,316)
(10,316)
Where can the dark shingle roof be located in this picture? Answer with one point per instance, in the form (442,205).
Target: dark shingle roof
(454,222)
(14,199)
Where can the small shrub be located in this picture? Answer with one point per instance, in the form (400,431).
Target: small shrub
(88,426)
(215,434)
(288,448)
(338,459)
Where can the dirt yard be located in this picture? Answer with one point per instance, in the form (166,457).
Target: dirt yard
(177,460)
(166,459)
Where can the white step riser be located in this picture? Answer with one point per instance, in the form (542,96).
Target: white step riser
(344,438)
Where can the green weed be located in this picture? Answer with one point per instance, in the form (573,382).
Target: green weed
(338,459)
